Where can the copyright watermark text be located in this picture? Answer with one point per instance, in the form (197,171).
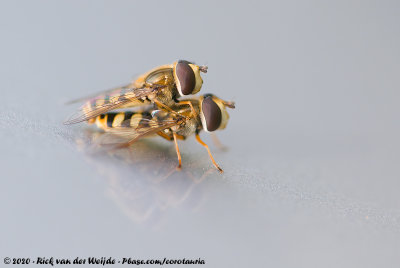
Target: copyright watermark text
(100,261)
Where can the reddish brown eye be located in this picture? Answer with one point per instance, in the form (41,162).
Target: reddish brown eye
(186,77)
(212,114)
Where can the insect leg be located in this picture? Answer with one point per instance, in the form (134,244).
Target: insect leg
(170,138)
(177,151)
(190,104)
(165,136)
(209,153)
(166,107)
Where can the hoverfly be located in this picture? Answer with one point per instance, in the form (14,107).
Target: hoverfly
(210,115)
(161,86)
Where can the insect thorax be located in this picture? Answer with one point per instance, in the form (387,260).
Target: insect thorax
(167,95)
(189,128)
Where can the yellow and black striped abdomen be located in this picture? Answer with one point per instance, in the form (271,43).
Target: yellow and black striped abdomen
(127,119)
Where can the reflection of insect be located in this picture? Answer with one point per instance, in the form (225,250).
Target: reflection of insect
(210,115)
(162,86)
(143,191)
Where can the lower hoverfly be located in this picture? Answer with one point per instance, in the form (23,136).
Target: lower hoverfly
(210,115)
(161,86)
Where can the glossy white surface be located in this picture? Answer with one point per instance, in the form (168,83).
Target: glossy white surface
(312,172)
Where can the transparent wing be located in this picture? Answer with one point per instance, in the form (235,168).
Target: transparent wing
(126,135)
(107,102)
(110,91)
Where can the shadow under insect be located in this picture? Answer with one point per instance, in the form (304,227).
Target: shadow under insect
(142,179)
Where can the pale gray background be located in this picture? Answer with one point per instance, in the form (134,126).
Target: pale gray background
(312,172)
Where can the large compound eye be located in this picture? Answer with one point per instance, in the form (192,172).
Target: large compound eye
(212,113)
(186,78)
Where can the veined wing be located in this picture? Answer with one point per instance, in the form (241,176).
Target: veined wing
(104,103)
(128,132)
(102,94)
(159,76)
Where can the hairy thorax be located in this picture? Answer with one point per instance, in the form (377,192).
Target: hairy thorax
(167,95)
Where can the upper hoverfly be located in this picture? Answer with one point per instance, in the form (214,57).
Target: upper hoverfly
(161,86)
(210,115)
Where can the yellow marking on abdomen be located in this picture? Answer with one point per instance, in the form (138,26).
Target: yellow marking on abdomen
(101,122)
(135,119)
(118,120)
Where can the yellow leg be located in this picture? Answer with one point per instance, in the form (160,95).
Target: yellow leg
(209,153)
(166,107)
(165,136)
(191,106)
(177,152)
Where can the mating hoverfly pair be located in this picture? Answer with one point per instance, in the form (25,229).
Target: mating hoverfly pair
(163,114)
